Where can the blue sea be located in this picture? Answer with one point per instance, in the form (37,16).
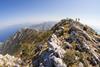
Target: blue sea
(9,31)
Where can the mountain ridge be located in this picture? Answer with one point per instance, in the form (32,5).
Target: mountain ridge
(9,31)
(67,44)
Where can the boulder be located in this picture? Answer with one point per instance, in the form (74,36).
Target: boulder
(80,64)
(58,62)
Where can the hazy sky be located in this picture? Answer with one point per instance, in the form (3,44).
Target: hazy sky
(23,11)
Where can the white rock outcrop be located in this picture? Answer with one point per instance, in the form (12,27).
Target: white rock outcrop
(54,44)
(9,61)
(58,62)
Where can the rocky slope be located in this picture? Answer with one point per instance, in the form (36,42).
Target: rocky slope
(71,45)
(68,44)
(14,41)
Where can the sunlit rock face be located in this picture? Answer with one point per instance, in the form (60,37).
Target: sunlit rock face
(54,44)
(58,53)
(9,61)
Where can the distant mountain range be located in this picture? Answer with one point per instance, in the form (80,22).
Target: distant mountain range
(9,31)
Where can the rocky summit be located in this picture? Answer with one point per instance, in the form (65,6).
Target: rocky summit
(67,44)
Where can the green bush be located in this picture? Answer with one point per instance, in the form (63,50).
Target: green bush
(69,57)
(42,36)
